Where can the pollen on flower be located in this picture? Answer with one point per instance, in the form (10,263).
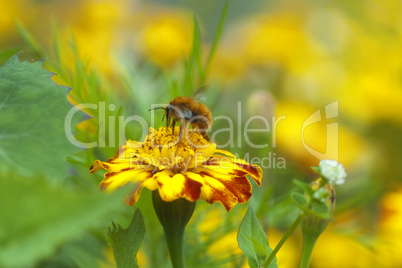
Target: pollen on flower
(191,168)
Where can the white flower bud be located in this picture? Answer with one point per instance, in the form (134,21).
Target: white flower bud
(332,171)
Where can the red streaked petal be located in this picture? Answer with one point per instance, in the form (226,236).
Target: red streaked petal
(224,187)
(234,166)
(173,186)
(114,180)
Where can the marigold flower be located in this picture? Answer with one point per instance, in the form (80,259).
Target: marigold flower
(192,168)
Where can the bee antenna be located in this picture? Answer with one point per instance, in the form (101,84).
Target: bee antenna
(157,108)
(163,117)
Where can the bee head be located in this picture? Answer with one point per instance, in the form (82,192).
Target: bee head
(168,110)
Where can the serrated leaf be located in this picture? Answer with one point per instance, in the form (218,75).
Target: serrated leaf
(251,233)
(13,60)
(299,199)
(36,218)
(127,242)
(33,109)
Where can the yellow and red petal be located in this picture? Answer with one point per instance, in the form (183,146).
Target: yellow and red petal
(133,197)
(184,169)
(114,180)
(224,188)
(233,166)
(127,150)
(173,186)
(117,167)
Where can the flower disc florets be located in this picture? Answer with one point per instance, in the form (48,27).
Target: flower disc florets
(163,150)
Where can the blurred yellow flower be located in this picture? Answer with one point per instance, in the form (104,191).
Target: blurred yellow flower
(337,250)
(290,142)
(95,30)
(7,11)
(371,97)
(390,234)
(226,247)
(167,39)
(391,217)
(280,40)
(192,168)
(228,64)
(289,254)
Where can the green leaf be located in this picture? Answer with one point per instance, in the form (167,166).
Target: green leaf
(28,38)
(127,242)
(304,186)
(261,252)
(299,199)
(197,48)
(37,218)
(13,60)
(218,35)
(321,210)
(6,53)
(33,111)
(253,241)
(316,169)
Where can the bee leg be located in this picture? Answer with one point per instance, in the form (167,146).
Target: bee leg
(206,137)
(167,121)
(183,127)
(173,126)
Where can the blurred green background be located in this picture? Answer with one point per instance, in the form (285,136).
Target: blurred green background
(276,58)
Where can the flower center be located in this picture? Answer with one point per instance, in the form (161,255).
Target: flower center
(162,149)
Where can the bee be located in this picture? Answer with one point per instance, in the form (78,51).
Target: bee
(188,110)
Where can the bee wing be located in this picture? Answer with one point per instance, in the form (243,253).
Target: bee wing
(187,114)
(199,94)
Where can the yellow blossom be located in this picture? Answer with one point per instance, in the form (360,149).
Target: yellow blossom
(293,138)
(166,39)
(337,250)
(279,39)
(192,168)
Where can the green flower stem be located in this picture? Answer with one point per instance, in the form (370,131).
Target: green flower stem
(174,239)
(308,245)
(174,217)
(288,233)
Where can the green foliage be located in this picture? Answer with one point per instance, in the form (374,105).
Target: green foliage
(35,217)
(127,242)
(32,131)
(86,251)
(316,169)
(217,38)
(299,199)
(253,241)
(304,186)
(28,38)
(308,204)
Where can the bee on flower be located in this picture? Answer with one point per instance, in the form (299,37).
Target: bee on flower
(191,169)
(179,171)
